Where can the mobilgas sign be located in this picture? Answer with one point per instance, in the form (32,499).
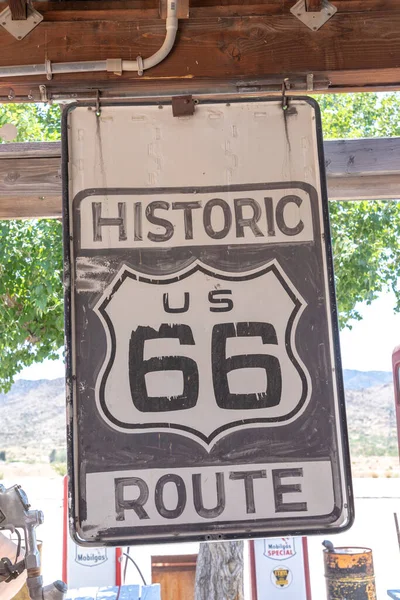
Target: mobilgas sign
(204,382)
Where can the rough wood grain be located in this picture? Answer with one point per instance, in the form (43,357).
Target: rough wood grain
(362,187)
(20,150)
(182,9)
(18,9)
(28,207)
(219,572)
(362,157)
(313,5)
(218,48)
(138,9)
(30,177)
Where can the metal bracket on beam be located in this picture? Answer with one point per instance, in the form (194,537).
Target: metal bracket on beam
(20,28)
(309,83)
(18,9)
(182,9)
(183,106)
(43,94)
(313,19)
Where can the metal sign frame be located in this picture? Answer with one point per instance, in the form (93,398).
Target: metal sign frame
(210,530)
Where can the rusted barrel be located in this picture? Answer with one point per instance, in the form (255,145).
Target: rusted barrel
(349,574)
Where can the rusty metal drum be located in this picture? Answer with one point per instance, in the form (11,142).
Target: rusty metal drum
(349,574)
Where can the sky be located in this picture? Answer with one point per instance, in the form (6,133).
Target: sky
(367,346)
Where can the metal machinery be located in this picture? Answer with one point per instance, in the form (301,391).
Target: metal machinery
(15,514)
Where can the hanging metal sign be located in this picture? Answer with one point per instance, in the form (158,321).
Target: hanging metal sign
(204,373)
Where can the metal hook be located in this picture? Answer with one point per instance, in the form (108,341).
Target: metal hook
(285,99)
(98,109)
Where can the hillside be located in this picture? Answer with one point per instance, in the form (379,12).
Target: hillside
(33,417)
(357,380)
(371,421)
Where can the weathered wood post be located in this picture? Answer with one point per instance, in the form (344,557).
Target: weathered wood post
(219,572)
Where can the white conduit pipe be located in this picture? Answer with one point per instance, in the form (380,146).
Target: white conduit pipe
(111,65)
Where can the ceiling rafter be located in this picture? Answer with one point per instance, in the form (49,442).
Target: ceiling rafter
(18,9)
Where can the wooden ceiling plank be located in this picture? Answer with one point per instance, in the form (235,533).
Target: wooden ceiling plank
(313,5)
(19,150)
(182,9)
(210,49)
(18,9)
(217,48)
(138,9)
(30,207)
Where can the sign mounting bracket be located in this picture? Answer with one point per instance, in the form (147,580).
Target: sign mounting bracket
(183,106)
(313,19)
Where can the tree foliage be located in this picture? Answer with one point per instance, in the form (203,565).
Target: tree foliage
(31,296)
(366,238)
(31,306)
(35,122)
(365,235)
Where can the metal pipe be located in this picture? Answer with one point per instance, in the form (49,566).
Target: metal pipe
(110,65)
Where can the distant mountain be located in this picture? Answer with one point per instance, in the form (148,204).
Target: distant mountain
(359,380)
(32,416)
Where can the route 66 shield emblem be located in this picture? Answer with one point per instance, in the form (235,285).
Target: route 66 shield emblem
(199,343)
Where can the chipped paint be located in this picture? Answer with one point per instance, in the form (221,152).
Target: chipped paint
(349,574)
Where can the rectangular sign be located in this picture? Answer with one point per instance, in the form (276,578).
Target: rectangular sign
(280,568)
(204,372)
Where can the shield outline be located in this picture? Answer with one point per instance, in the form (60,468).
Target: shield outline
(206,441)
(92,550)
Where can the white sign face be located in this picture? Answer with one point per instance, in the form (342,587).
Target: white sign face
(203,345)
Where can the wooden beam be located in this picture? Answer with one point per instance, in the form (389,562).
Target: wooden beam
(364,187)
(313,5)
(362,157)
(221,42)
(182,9)
(30,181)
(18,9)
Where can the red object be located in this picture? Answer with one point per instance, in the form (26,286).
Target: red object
(253,576)
(118,551)
(118,570)
(306,568)
(396,381)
